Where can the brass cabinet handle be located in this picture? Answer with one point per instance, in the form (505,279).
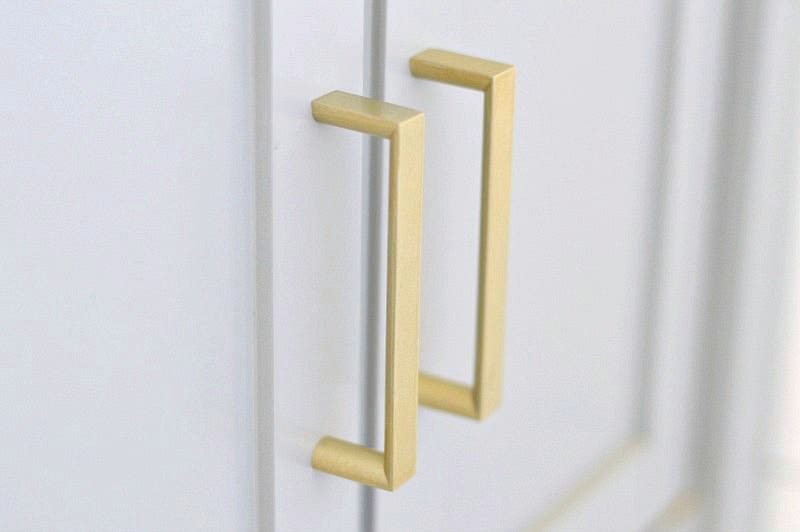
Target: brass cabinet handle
(496,80)
(405,130)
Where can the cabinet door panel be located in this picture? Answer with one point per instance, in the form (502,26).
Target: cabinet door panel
(585,421)
(126,270)
(316,179)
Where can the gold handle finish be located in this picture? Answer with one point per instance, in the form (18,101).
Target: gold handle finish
(496,80)
(405,130)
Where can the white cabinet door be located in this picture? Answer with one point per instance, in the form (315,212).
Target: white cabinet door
(317,47)
(605,248)
(126,266)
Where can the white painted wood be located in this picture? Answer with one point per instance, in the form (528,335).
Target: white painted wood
(754,235)
(782,513)
(611,166)
(126,266)
(317,47)
(177,234)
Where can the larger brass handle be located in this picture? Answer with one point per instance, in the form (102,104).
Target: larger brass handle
(496,80)
(405,130)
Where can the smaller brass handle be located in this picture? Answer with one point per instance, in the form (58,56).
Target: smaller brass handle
(496,80)
(405,130)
